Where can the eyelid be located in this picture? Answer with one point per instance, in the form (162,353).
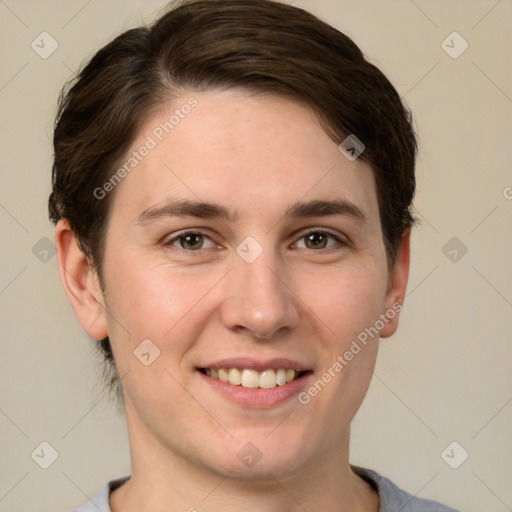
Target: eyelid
(170,240)
(333,234)
(341,240)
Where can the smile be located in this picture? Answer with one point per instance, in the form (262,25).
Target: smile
(249,378)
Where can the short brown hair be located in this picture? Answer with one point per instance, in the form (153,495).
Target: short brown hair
(258,45)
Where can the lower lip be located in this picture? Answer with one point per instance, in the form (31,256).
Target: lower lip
(257,397)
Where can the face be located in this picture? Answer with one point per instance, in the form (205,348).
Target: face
(244,245)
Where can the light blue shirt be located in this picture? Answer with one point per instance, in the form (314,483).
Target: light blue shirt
(392,499)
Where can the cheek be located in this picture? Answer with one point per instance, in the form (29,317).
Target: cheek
(157,303)
(348,308)
(349,299)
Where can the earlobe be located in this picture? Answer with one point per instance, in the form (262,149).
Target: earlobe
(398,278)
(80,282)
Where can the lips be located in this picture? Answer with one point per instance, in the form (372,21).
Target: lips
(250,373)
(255,397)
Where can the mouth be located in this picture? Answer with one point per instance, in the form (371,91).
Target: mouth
(255,383)
(251,378)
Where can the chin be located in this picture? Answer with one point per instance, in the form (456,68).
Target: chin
(260,457)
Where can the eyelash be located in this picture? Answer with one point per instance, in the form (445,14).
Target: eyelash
(183,234)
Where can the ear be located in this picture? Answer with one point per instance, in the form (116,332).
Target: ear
(395,295)
(80,282)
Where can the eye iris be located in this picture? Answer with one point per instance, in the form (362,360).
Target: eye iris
(193,241)
(318,240)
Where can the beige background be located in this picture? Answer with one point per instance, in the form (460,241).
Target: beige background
(444,377)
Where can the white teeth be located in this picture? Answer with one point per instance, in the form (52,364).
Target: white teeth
(281,377)
(253,379)
(250,379)
(268,379)
(235,376)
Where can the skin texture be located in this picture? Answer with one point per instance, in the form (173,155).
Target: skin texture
(256,155)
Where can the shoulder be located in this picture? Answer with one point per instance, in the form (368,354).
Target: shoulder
(393,498)
(100,501)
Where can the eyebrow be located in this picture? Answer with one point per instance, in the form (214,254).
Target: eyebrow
(207,210)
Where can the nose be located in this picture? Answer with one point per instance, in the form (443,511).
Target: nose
(257,300)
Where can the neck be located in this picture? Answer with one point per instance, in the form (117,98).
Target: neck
(164,480)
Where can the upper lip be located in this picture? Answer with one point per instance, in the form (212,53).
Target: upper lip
(259,365)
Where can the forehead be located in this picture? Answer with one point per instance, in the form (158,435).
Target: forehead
(241,150)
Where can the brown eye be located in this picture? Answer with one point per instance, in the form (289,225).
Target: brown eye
(316,240)
(193,241)
(320,240)
(190,241)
